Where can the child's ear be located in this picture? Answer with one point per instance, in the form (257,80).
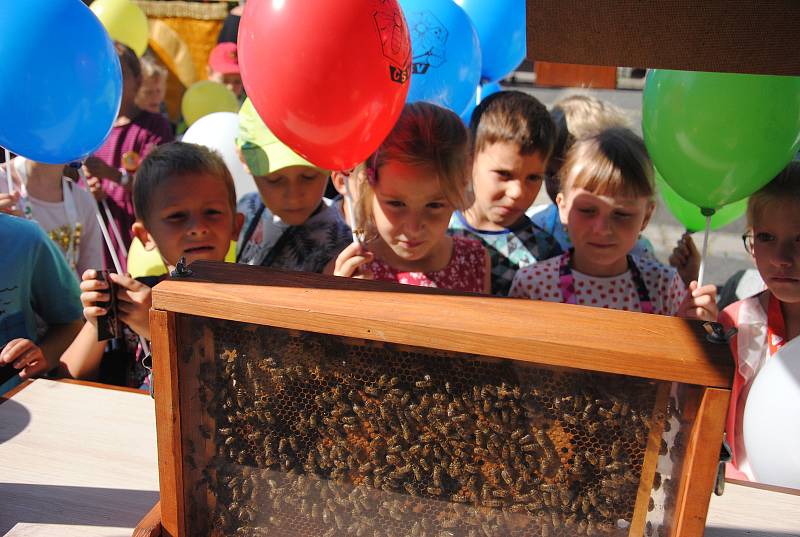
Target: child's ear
(243,160)
(141,233)
(238,222)
(651,207)
(561,203)
(338,179)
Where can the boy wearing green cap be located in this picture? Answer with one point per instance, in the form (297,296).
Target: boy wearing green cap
(287,224)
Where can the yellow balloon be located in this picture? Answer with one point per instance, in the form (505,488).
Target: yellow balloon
(124,21)
(206,97)
(143,262)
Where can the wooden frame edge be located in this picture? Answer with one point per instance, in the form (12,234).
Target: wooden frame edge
(702,462)
(15,390)
(150,525)
(168,422)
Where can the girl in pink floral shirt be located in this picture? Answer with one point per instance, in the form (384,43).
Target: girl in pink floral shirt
(407,192)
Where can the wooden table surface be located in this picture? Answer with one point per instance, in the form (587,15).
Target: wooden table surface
(747,511)
(76,459)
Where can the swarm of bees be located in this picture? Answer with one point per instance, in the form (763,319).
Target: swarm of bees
(395,455)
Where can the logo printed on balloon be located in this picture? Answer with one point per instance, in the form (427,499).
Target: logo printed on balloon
(394,43)
(431,37)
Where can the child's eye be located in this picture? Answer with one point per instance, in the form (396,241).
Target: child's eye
(395,203)
(213,212)
(435,205)
(586,210)
(176,216)
(763,236)
(535,178)
(622,215)
(310,177)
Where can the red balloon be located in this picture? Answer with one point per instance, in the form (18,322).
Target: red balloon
(329,78)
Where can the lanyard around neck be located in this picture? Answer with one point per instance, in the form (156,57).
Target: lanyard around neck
(566,282)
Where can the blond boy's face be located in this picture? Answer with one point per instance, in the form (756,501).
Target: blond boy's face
(293,193)
(505,183)
(190,216)
(776,232)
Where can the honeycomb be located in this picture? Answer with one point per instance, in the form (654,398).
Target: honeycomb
(306,434)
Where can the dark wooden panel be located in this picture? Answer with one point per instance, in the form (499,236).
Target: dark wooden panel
(739,36)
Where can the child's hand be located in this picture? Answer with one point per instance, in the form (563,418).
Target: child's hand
(133,303)
(95,167)
(25,355)
(9,204)
(95,186)
(92,292)
(686,259)
(700,303)
(350,261)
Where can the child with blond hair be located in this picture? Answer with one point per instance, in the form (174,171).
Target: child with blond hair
(771,318)
(606,200)
(576,116)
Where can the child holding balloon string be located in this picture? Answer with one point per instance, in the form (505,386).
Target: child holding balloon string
(110,169)
(606,201)
(768,320)
(406,193)
(186,209)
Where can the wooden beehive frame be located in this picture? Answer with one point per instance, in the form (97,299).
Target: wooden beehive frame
(562,335)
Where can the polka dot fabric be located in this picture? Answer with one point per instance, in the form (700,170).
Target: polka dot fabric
(466,270)
(540,281)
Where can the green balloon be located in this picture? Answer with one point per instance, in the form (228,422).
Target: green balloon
(719,137)
(691,216)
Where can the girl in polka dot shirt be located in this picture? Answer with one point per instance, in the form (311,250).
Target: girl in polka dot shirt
(606,202)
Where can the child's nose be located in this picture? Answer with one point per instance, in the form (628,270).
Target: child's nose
(514,190)
(602,225)
(785,253)
(197,226)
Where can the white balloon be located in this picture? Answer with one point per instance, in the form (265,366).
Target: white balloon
(218,131)
(771,423)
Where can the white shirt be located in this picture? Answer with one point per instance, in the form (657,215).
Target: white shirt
(667,291)
(77,235)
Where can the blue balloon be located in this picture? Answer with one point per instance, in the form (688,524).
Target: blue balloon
(61,80)
(446,65)
(486,90)
(501,29)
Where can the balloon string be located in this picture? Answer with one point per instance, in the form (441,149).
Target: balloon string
(8,172)
(109,244)
(103,227)
(348,199)
(114,228)
(701,273)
